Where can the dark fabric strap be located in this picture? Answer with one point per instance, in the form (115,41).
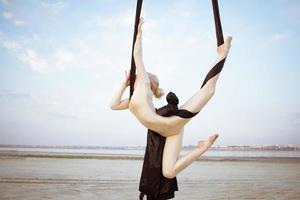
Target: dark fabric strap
(142,194)
(172,108)
(214,71)
(185,114)
(220,40)
(133,67)
(218,25)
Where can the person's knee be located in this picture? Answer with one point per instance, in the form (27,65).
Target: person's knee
(169,173)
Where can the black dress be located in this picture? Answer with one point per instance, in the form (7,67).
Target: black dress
(152,183)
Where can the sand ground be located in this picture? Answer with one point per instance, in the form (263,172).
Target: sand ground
(32,178)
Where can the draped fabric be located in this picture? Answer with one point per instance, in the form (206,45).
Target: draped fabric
(152,183)
(218,25)
(220,40)
(133,67)
(219,35)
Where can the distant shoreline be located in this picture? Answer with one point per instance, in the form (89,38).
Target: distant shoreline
(18,154)
(213,148)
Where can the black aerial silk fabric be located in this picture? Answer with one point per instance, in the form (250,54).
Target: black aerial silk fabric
(218,24)
(138,11)
(220,40)
(219,36)
(152,183)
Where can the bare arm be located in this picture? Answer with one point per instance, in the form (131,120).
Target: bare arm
(137,54)
(117,103)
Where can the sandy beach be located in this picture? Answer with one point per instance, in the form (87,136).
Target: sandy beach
(112,178)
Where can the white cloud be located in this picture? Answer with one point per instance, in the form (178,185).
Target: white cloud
(19,23)
(65,104)
(30,57)
(63,58)
(14,94)
(23,49)
(56,59)
(125,19)
(5,1)
(105,23)
(7,15)
(10,17)
(279,37)
(128,21)
(85,53)
(11,45)
(151,26)
(53,8)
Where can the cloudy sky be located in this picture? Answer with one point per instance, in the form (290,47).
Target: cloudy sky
(61,62)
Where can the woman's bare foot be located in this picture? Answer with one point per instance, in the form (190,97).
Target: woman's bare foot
(205,145)
(225,47)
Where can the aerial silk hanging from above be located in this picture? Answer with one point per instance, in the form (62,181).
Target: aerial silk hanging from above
(136,23)
(220,40)
(219,35)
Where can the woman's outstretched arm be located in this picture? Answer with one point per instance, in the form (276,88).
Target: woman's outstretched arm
(137,54)
(117,103)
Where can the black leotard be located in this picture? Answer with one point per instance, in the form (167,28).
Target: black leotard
(152,182)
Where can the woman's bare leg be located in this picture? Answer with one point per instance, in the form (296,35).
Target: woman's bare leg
(171,164)
(138,55)
(168,126)
(202,96)
(171,152)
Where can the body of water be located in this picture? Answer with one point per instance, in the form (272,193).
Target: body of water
(140,152)
(27,178)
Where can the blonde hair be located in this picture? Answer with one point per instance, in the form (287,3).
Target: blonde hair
(157,91)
